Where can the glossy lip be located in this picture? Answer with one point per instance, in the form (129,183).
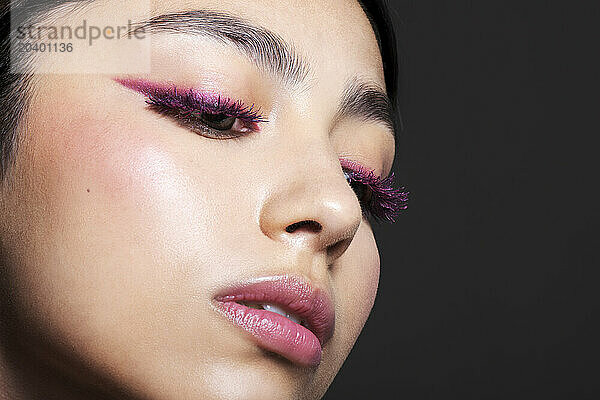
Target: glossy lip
(273,332)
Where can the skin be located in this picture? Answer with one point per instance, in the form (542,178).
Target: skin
(120,226)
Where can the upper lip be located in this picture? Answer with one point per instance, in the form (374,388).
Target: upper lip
(312,305)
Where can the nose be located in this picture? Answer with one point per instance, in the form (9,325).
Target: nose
(312,208)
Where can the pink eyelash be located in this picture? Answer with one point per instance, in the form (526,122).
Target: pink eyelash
(387,202)
(192,101)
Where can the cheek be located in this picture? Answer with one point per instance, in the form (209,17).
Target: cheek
(117,234)
(356,281)
(112,190)
(113,178)
(355,278)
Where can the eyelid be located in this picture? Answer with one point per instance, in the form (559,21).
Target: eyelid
(357,168)
(193,100)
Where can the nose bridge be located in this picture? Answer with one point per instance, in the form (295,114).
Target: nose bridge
(311,205)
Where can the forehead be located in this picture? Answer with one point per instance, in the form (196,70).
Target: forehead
(334,36)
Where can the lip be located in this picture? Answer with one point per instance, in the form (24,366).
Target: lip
(276,333)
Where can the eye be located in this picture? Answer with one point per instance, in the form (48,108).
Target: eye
(378,198)
(220,122)
(213,125)
(363,192)
(216,125)
(207,114)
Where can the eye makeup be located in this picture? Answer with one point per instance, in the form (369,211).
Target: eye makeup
(206,113)
(218,117)
(378,196)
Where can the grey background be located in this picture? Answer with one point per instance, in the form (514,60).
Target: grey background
(489,285)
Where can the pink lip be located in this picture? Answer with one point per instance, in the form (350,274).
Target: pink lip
(276,333)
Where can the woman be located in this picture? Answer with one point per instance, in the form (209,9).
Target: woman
(186,203)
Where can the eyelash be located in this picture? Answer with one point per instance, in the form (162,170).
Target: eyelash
(383,202)
(188,106)
(380,200)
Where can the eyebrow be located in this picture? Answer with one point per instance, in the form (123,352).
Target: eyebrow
(362,100)
(368,102)
(265,48)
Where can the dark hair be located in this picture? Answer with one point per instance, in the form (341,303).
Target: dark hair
(378,13)
(14,87)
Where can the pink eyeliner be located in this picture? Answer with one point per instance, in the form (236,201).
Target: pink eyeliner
(191,101)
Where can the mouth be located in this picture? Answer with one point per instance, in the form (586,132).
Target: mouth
(284,315)
(277,309)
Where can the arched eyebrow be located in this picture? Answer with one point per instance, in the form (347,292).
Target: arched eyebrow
(265,48)
(366,101)
(361,99)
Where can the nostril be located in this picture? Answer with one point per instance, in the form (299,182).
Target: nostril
(310,225)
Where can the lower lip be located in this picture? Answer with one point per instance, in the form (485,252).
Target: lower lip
(276,333)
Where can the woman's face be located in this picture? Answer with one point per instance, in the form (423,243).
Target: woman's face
(126,226)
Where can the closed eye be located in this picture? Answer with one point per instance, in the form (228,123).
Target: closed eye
(378,196)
